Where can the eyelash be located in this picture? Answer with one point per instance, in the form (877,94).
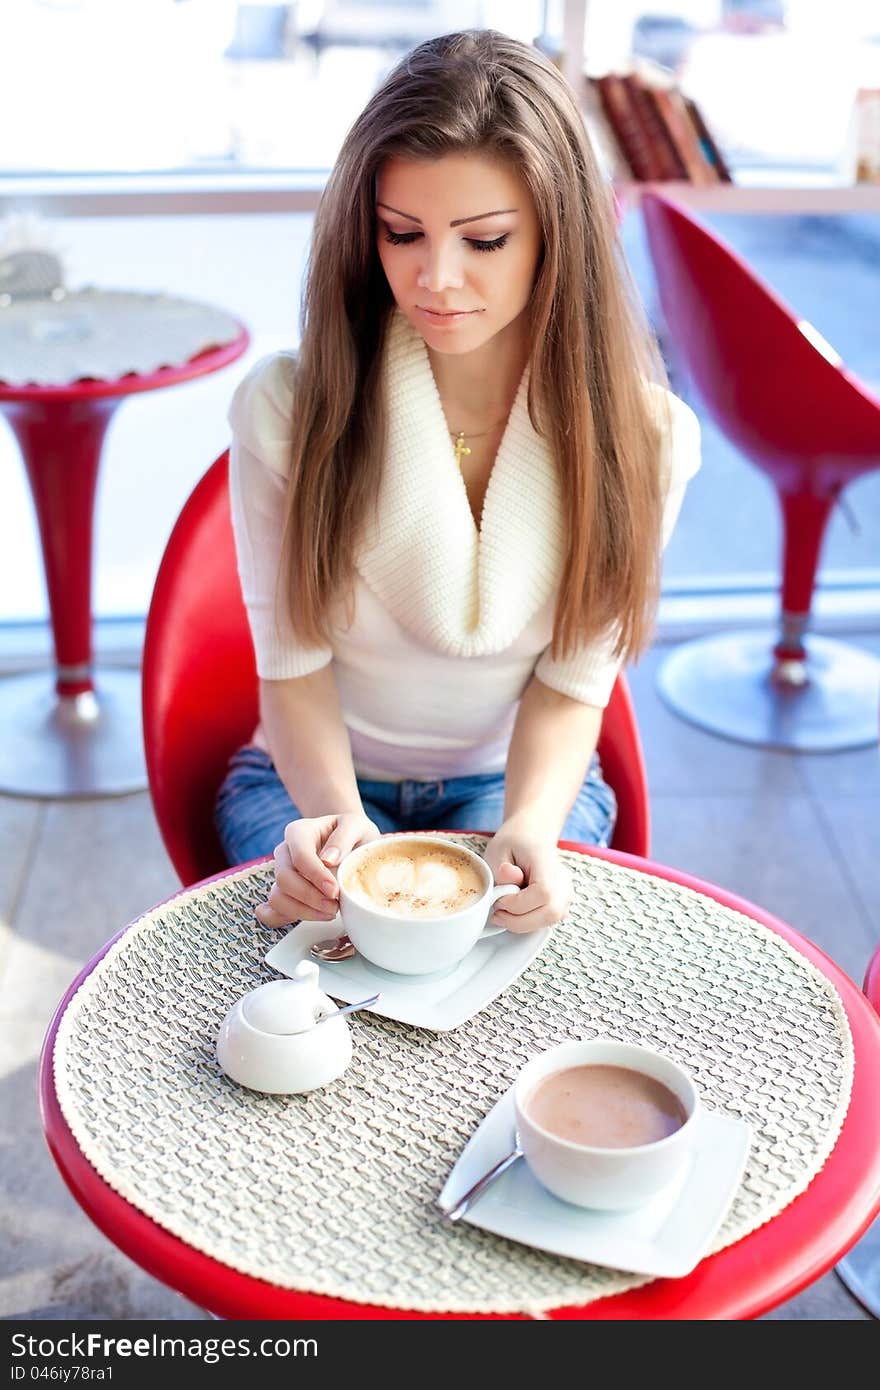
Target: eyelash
(406,238)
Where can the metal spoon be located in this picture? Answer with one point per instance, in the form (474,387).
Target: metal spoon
(479,1187)
(350,1008)
(334,948)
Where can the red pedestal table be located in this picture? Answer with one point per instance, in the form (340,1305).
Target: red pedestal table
(82,735)
(745,1279)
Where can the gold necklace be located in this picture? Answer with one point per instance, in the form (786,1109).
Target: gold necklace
(459,439)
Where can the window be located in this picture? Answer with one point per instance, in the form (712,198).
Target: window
(146,85)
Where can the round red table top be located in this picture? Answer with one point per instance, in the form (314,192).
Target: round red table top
(744,1280)
(202,364)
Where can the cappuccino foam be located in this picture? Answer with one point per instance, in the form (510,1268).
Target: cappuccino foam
(409,879)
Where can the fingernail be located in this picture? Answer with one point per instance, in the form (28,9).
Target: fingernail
(331,855)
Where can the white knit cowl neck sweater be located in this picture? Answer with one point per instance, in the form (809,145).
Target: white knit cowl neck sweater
(450,622)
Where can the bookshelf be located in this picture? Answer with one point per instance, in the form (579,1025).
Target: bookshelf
(634,116)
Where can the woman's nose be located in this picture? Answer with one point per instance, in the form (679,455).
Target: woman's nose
(441,269)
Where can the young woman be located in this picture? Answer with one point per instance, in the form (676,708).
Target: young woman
(450,506)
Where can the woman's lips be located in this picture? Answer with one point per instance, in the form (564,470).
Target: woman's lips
(449,316)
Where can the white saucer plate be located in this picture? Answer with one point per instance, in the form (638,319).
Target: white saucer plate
(441,1001)
(667,1237)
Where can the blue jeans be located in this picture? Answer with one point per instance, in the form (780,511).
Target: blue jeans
(253,806)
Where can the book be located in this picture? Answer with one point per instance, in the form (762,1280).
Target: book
(707,143)
(626,125)
(646,128)
(863,138)
(609,151)
(666,161)
(672,108)
(649,130)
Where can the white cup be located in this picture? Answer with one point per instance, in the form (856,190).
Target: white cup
(610,1179)
(417,945)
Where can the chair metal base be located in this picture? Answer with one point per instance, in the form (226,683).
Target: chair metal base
(87,745)
(860,1270)
(725,685)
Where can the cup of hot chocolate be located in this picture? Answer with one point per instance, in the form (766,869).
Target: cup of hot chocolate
(415,903)
(605,1124)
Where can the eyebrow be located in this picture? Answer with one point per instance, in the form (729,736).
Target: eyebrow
(459,221)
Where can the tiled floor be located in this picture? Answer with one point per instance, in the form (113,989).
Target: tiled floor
(800,835)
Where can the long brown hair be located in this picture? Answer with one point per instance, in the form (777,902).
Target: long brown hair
(591,351)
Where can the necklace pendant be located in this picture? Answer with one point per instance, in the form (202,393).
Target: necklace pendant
(461,448)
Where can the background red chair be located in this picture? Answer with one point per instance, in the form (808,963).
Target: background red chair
(860,1269)
(781,396)
(200,690)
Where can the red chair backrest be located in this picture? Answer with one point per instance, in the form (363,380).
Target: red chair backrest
(623,766)
(872,979)
(200,690)
(199,676)
(768,387)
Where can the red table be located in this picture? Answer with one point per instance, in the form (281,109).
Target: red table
(743,1281)
(82,737)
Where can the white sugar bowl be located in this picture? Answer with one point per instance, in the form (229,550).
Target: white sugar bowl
(274,1039)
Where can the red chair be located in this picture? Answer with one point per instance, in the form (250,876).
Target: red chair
(860,1269)
(781,396)
(200,690)
(872,980)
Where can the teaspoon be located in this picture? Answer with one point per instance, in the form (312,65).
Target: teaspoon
(479,1187)
(334,948)
(350,1008)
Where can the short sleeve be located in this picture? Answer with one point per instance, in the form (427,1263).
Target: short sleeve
(589,673)
(259,464)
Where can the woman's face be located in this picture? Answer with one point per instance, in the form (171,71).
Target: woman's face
(459,241)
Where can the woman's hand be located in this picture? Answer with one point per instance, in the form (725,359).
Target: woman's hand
(517,853)
(304,861)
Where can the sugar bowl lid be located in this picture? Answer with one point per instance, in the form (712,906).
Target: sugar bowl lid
(286,1006)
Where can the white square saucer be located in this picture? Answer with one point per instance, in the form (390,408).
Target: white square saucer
(665,1237)
(441,1001)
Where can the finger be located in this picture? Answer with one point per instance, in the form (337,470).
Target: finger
(530,921)
(290,888)
(298,898)
(351,831)
(528,906)
(336,847)
(509,873)
(526,900)
(313,903)
(290,909)
(281,911)
(268,917)
(302,861)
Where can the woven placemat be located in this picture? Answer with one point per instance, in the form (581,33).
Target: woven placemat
(335,1191)
(105,334)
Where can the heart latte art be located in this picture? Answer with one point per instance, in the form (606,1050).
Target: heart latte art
(413,880)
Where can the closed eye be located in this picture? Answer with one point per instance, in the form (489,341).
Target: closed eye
(401,238)
(404,239)
(495,245)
